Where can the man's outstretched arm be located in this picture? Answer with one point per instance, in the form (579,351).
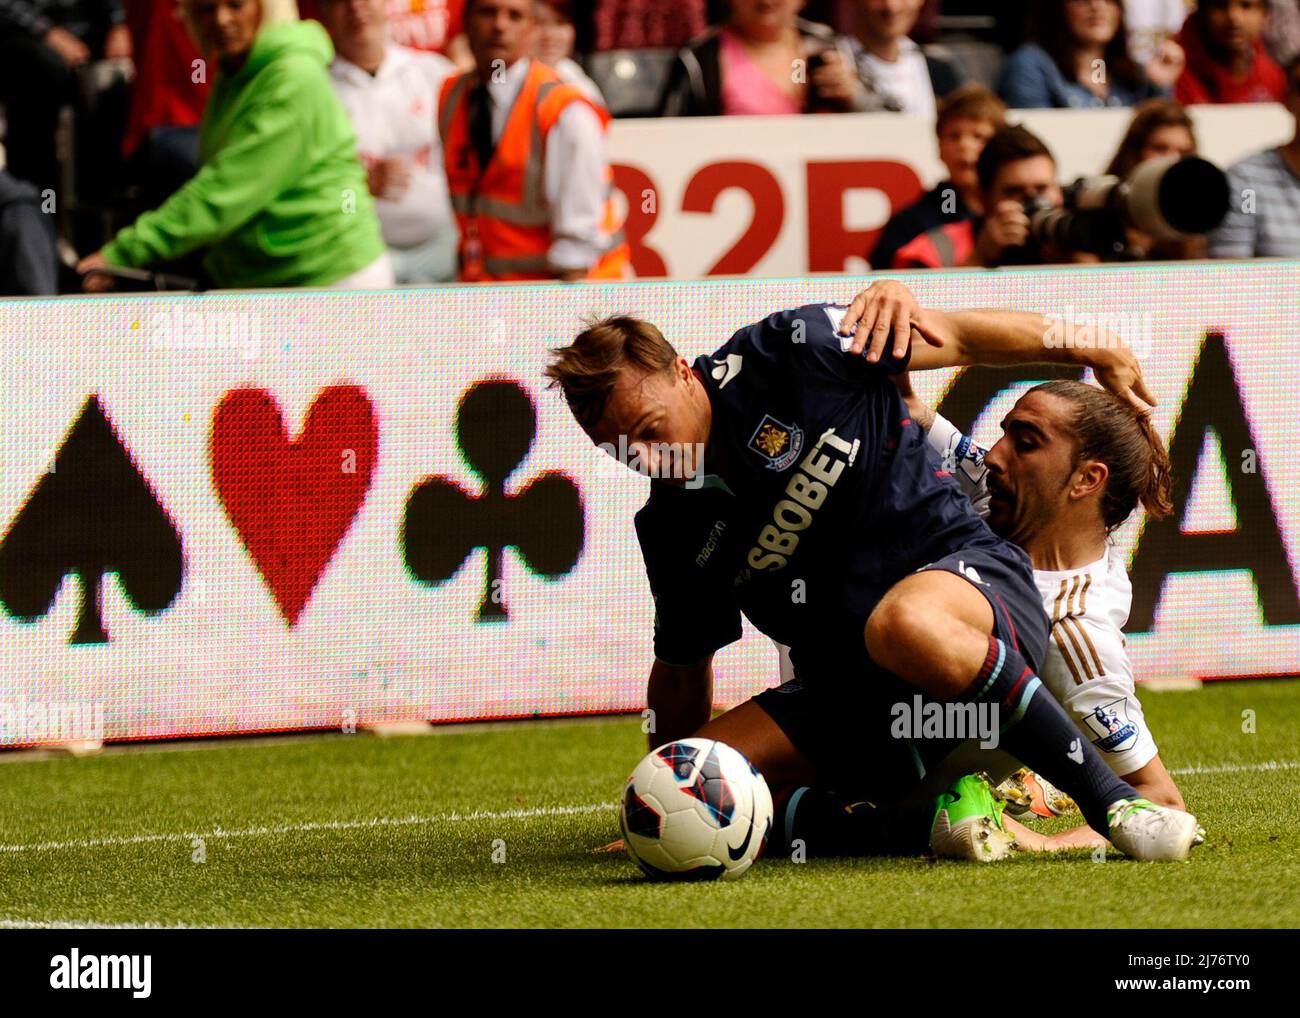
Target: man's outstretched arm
(880,314)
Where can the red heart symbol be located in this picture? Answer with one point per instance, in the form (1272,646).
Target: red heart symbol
(292,500)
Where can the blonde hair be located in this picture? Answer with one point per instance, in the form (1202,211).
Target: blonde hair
(970,102)
(274,12)
(587,370)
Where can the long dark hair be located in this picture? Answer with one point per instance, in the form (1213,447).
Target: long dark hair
(1111,431)
(1148,117)
(1049,28)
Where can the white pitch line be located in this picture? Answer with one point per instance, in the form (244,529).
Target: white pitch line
(321,825)
(1268,765)
(510,814)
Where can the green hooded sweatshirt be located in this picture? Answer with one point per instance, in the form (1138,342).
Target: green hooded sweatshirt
(280,198)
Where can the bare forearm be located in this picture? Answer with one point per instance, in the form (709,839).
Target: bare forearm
(920,411)
(680,700)
(1153,781)
(963,338)
(886,314)
(1030,840)
(1075,837)
(997,337)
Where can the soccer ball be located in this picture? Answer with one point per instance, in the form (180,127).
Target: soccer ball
(695,809)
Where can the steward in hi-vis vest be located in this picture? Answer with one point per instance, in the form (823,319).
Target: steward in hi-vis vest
(500,203)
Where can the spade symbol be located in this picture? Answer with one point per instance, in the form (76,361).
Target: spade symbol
(495,426)
(93,514)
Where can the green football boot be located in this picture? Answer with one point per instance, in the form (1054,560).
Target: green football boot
(968,823)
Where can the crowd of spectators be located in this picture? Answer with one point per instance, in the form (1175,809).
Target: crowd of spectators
(363,143)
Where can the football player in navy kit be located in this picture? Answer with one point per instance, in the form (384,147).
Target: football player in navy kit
(821,513)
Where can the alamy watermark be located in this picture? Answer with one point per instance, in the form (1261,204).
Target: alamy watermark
(23,721)
(922,719)
(670,461)
(183,328)
(77,971)
(1084,330)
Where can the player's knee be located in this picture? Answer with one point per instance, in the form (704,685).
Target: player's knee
(912,639)
(893,632)
(899,632)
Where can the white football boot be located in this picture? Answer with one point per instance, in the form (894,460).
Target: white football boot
(1142,830)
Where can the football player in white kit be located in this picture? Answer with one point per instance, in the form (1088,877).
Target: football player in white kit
(1072,465)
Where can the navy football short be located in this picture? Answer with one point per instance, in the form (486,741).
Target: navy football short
(840,715)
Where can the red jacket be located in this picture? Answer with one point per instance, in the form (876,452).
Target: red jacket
(1206,80)
(944,247)
(165,93)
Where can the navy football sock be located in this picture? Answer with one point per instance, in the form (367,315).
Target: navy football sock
(1035,729)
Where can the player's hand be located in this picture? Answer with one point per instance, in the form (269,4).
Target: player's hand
(96,282)
(70,49)
(884,308)
(1119,371)
(1006,226)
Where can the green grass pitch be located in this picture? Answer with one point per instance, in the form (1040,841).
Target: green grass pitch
(352,830)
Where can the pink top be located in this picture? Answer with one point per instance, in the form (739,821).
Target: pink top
(746,89)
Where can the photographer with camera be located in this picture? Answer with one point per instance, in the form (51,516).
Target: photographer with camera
(1016,173)
(1031,220)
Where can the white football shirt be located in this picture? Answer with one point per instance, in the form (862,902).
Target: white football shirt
(1086,666)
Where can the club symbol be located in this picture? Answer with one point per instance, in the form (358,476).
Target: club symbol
(496,423)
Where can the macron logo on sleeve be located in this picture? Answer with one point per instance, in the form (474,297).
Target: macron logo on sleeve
(836,313)
(725,370)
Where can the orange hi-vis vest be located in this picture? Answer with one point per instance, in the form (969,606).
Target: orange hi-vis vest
(504,219)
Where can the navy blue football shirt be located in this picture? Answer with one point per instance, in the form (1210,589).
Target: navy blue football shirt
(828,495)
